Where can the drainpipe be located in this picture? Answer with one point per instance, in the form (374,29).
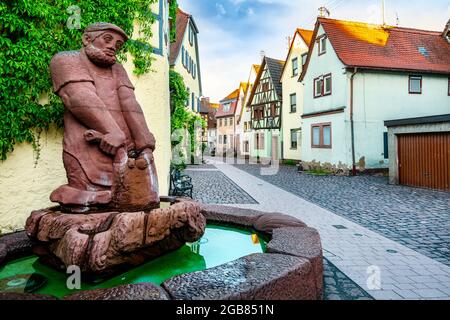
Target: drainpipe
(355,71)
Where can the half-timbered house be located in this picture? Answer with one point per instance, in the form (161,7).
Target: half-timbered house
(265,102)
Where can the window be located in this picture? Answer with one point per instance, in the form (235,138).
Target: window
(322,45)
(415,84)
(304,58)
(293,102)
(318,87)
(273,110)
(294,67)
(294,139)
(193,100)
(225,122)
(449,86)
(327,85)
(231,121)
(246,146)
(265,87)
(321,135)
(225,139)
(220,139)
(259,139)
(220,122)
(194,71)
(191,36)
(183,54)
(226,107)
(323,86)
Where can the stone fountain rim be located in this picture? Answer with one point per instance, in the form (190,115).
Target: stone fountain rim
(281,230)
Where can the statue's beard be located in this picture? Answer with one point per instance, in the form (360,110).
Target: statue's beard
(98,57)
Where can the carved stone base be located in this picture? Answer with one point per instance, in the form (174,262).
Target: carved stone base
(100,242)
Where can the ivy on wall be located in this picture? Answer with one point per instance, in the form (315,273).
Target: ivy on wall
(173,8)
(181,117)
(31,32)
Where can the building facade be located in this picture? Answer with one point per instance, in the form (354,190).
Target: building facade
(265,103)
(292,108)
(243,118)
(185,59)
(239,126)
(357,76)
(226,125)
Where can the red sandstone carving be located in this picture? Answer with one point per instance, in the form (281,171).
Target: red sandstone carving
(98,242)
(108,148)
(112,180)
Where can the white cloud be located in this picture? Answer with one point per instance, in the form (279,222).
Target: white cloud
(221,9)
(226,56)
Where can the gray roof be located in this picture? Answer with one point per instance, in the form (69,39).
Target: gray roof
(276,68)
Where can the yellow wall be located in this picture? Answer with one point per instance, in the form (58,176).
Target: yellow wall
(290,86)
(24,187)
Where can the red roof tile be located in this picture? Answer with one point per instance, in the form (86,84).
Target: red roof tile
(175,47)
(306,35)
(373,46)
(232,96)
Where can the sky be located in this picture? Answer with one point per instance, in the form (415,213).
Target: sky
(234,33)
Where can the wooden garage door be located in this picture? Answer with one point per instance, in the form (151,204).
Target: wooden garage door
(424,160)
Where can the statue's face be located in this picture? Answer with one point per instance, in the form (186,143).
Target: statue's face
(102,51)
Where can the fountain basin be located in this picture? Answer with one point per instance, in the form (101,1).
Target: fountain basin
(288,266)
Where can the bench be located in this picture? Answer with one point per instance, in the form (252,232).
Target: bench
(180,184)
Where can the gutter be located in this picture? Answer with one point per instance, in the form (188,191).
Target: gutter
(355,71)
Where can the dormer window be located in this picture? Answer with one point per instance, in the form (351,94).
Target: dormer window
(322,45)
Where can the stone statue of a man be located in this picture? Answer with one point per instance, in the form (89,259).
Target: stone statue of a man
(105,136)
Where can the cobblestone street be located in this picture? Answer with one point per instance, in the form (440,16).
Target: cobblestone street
(213,187)
(416,218)
(365,224)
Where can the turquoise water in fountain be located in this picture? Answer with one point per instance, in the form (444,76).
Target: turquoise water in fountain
(218,245)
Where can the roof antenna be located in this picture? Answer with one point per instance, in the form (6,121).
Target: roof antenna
(383,13)
(324,12)
(262,54)
(288,40)
(397,19)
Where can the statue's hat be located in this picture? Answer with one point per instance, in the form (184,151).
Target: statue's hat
(101,26)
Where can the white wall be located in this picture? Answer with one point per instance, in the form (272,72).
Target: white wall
(381,96)
(378,96)
(322,65)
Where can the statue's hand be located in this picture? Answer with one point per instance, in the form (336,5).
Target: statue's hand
(145,159)
(111,142)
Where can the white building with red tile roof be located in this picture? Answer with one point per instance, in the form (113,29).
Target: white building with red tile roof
(358,75)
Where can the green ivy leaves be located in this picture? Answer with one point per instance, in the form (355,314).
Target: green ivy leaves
(31,32)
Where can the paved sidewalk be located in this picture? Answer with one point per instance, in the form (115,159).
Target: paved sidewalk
(357,251)
(416,218)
